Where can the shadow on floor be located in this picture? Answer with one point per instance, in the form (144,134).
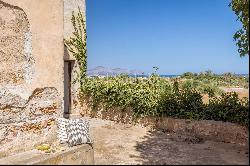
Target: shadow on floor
(168,148)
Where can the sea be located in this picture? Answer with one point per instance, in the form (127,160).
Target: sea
(162,75)
(168,75)
(171,76)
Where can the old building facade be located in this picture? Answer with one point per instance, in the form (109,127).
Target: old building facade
(36,71)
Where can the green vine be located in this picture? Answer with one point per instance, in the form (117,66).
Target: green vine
(157,97)
(77,43)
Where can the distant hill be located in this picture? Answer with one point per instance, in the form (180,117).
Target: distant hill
(104,71)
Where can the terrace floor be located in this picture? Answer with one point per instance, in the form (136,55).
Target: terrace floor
(126,144)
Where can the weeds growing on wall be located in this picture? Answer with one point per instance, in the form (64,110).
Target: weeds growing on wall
(155,96)
(77,43)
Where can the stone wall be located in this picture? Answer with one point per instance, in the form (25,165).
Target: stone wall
(31,67)
(203,129)
(32,56)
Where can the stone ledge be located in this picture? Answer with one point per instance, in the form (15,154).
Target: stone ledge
(78,155)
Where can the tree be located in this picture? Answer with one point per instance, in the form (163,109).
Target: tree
(241,9)
(188,74)
(209,72)
(155,69)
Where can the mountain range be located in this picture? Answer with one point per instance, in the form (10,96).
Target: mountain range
(104,71)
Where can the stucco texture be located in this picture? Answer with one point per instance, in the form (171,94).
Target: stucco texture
(31,72)
(46,27)
(32,56)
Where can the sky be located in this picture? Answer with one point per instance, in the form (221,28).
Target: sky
(175,35)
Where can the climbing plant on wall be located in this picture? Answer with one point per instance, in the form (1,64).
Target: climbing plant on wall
(77,45)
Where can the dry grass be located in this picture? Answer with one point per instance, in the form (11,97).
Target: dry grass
(241,93)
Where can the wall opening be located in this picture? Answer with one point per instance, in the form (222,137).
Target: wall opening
(68,68)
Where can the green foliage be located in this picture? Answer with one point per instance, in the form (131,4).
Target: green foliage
(77,43)
(156,69)
(155,96)
(228,107)
(188,75)
(186,103)
(241,9)
(213,81)
(143,95)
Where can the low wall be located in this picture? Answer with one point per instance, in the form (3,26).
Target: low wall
(202,129)
(206,129)
(78,155)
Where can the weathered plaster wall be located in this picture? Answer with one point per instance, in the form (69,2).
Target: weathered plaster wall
(46,27)
(69,6)
(32,55)
(31,65)
(15,46)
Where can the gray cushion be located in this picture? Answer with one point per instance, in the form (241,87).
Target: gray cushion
(61,132)
(78,132)
(69,130)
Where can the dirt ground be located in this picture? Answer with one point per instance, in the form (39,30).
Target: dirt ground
(126,144)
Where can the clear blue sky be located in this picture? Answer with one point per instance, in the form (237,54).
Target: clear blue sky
(175,35)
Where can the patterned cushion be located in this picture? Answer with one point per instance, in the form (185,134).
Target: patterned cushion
(78,132)
(61,132)
(73,132)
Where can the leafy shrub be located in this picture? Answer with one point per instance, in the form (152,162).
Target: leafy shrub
(229,108)
(186,103)
(155,96)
